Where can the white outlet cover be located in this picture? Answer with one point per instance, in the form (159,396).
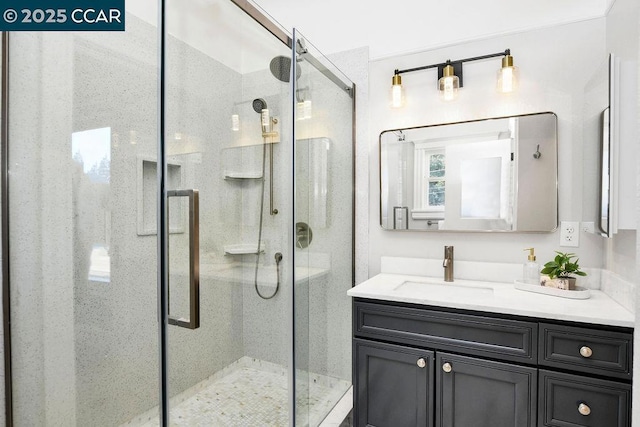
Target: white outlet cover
(570,234)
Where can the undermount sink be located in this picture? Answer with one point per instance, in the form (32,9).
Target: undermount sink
(442,290)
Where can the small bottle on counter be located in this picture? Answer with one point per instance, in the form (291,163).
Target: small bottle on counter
(531,269)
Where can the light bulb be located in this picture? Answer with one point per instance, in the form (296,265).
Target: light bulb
(448,84)
(397,95)
(507,79)
(507,76)
(235,122)
(448,91)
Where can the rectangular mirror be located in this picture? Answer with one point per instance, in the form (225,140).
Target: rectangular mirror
(498,174)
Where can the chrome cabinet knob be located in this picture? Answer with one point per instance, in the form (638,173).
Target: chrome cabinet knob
(447,367)
(584,409)
(421,362)
(585,351)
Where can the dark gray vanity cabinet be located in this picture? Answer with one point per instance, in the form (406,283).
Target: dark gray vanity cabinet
(430,366)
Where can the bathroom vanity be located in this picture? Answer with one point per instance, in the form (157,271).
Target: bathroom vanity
(428,353)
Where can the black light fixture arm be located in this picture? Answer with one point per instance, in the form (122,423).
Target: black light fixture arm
(449,62)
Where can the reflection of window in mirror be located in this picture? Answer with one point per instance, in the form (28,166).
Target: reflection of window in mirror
(91,154)
(436,180)
(429,194)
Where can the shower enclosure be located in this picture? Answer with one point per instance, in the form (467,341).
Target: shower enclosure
(198,278)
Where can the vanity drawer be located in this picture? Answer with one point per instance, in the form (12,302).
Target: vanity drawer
(571,400)
(497,338)
(586,350)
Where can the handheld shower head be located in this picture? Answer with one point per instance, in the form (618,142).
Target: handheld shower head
(260,107)
(259,104)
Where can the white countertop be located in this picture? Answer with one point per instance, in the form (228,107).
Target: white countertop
(494,297)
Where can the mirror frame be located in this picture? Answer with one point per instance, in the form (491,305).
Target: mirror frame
(557,212)
(607,219)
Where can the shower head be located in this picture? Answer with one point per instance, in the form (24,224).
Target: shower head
(259,104)
(260,107)
(280,67)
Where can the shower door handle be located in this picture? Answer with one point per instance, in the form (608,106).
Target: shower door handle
(193,322)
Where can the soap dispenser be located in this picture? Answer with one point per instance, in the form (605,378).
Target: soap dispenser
(531,270)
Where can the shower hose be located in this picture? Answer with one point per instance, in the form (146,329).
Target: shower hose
(278,255)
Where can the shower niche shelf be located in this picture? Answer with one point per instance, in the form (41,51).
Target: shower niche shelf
(243,164)
(239,176)
(242,249)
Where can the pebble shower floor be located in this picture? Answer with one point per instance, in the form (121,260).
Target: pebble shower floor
(247,393)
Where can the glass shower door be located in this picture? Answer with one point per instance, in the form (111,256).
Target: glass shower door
(227,112)
(323,106)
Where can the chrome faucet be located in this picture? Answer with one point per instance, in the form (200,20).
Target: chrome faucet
(448,263)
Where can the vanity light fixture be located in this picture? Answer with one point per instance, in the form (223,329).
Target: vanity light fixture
(450,77)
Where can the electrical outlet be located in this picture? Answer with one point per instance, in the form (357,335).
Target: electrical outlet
(570,234)
(589,227)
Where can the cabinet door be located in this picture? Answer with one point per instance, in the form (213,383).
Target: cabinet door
(393,385)
(472,392)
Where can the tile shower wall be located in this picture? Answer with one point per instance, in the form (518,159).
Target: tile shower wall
(550,80)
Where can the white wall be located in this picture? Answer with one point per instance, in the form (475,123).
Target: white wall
(410,25)
(555,64)
(623,40)
(622,252)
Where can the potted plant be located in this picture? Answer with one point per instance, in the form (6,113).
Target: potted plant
(560,272)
